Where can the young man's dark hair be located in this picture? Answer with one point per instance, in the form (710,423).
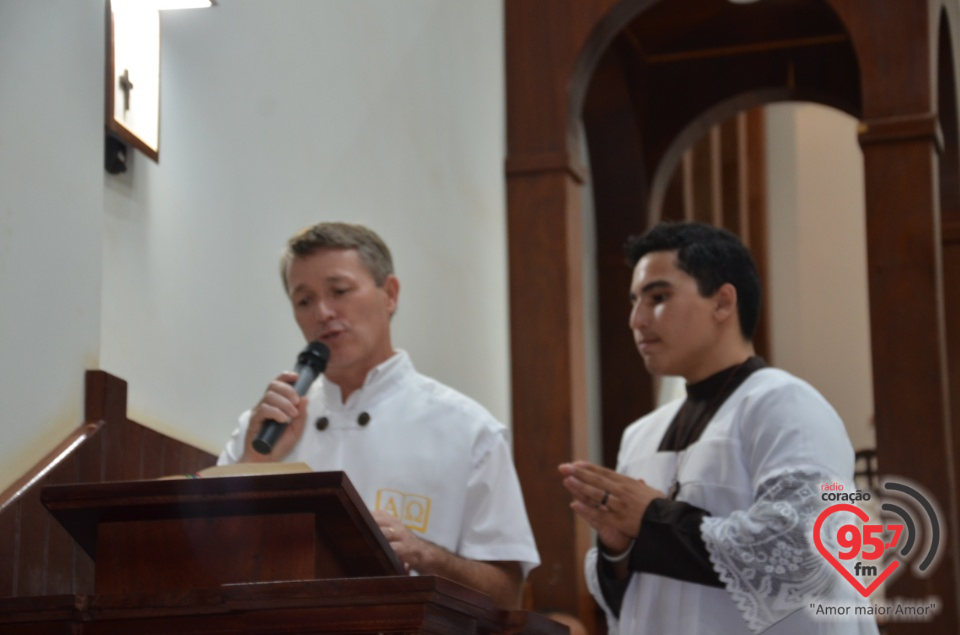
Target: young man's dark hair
(713,257)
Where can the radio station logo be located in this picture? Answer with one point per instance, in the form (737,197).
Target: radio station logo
(878,539)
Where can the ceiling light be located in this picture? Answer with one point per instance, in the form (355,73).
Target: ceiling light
(161,5)
(182,4)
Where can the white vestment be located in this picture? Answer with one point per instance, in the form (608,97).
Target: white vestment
(757,469)
(428,454)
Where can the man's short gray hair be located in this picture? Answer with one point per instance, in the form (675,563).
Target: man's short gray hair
(310,240)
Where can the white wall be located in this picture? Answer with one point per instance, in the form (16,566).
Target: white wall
(820,326)
(276,115)
(51,202)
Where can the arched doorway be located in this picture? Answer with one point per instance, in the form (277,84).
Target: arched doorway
(648,77)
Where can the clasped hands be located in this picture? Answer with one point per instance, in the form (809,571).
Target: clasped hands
(613,504)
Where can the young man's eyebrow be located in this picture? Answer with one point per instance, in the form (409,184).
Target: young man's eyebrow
(649,288)
(656,284)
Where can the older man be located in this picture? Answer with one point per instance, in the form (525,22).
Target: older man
(434,465)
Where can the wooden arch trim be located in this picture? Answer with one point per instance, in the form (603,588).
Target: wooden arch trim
(720,112)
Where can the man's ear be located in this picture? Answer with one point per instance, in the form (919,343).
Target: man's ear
(726,302)
(392,288)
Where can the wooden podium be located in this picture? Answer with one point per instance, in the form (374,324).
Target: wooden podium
(168,535)
(288,553)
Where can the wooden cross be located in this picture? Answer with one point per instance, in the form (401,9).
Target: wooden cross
(126,86)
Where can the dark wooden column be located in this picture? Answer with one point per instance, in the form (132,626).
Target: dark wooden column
(901,140)
(951,269)
(545,242)
(908,329)
(950,232)
(549,414)
(910,378)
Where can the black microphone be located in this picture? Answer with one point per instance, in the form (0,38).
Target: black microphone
(310,363)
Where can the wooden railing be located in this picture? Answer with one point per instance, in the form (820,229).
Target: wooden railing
(37,556)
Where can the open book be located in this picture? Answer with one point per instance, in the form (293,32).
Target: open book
(245,469)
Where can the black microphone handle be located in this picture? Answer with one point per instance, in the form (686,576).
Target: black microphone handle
(272,430)
(268,435)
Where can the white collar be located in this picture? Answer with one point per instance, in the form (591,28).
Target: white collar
(378,380)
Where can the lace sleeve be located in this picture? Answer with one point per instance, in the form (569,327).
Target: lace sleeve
(765,556)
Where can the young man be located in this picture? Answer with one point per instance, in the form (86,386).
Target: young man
(706,526)
(433,464)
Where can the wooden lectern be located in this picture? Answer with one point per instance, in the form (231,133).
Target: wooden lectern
(168,535)
(268,554)
(287,553)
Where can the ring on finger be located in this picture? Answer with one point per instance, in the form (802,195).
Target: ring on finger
(606,497)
